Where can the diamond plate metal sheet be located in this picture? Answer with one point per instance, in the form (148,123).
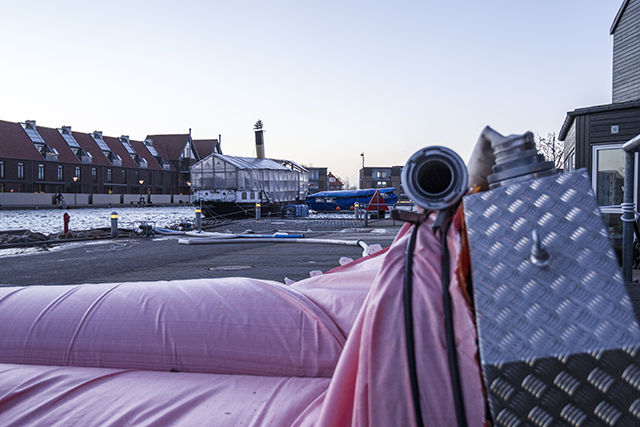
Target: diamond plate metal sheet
(558,344)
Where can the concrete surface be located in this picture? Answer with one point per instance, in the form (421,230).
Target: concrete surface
(162,258)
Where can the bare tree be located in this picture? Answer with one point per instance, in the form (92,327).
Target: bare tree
(346,184)
(551,148)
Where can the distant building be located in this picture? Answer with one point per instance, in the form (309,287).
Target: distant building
(317,180)
(334,182)
(382,177)
(37,159)
(594,135)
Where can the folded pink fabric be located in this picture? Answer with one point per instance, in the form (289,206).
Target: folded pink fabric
(371,385)
(33,395)
(224,326)
(341,292)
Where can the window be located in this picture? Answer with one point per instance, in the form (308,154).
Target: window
(20,170)
(608,175)
(1,169)
(77,175)
(160,175)
(570,163)
(109,176)
(40,171)
(381,184)
(381,174)
(94,175)
(124,176)
(187,153)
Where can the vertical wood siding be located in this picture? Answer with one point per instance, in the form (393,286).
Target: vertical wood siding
(626,55)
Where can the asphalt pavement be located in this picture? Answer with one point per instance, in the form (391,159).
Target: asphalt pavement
(158,258)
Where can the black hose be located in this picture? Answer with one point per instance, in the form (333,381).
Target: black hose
(442,223)
(408,322)
(450,333)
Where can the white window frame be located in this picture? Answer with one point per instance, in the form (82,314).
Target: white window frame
(614,209)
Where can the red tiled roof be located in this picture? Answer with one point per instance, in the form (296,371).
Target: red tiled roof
(117,148)
(54,140)
(173,144)
(88,144)
(15,143)
(143,152)
(205,146)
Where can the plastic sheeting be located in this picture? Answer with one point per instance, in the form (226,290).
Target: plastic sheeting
(221,172)
(70,396)
(224,326)
(262,328)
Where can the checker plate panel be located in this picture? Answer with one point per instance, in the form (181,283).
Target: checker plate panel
(558,344)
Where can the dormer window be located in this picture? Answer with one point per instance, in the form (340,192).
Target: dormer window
(140,161)
(187,152)
(97,137)
(149,144)
(65,131)
(47,152)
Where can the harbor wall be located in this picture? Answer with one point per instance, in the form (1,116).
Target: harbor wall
(48,200)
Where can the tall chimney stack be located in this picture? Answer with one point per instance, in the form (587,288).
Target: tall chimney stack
(257,128)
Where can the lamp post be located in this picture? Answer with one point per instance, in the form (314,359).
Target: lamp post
(75,195)
(141,181)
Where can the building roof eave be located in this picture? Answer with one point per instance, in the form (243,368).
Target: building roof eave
(568,121)
(616,20)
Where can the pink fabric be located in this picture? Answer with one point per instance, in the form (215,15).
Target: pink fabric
(33,395)
(264,332)
(371,384)
(341,292)
(224,326)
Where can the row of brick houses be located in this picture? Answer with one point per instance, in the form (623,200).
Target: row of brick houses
(37,159)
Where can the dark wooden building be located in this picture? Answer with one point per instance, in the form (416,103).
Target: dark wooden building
(594,135)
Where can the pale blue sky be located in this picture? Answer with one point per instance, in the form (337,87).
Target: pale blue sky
(329,79)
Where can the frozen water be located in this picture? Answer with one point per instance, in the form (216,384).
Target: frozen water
(49,221)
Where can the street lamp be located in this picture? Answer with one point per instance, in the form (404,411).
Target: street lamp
(141,181)
(75,181)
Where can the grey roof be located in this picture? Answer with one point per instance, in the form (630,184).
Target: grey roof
(251,162)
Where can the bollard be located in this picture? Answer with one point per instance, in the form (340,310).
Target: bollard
(366,215)
(258,210)
(198,218)
(357,210)
(66,219)
(114,225)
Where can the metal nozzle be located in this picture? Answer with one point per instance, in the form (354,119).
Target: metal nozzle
(517,160)
(435,178)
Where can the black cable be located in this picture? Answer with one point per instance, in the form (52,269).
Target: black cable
(408,323)
(442,223)
(450,333)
